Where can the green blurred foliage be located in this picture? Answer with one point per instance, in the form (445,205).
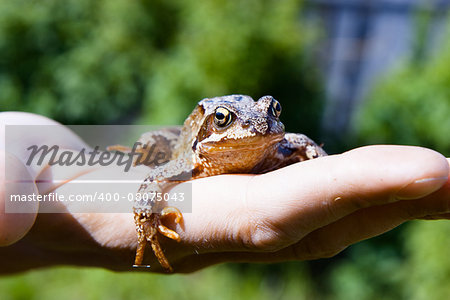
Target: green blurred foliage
(428,266)
(219,283)
(373,269)
(412,106)
(75,61)
(95,62)
(411,263)
(249,47)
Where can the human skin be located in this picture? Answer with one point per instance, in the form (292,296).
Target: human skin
(309,210)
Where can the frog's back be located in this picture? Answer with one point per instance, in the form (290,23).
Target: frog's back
(157,147)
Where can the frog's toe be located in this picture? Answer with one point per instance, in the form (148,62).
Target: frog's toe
(172,211)
(168,233)
(177,216)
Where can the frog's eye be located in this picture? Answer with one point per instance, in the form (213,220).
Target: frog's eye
(275,108)
(222,117)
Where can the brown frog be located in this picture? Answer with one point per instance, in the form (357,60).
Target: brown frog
(223,135)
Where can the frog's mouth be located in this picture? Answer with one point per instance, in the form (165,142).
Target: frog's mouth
(253,143)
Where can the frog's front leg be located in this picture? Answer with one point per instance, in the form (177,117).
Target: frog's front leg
(299,147)
(295,147)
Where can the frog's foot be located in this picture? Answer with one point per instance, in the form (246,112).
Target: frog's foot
(172,212)
(147,228)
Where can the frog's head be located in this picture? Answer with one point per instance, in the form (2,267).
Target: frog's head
(230,127)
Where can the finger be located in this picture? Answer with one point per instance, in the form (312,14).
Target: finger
(270,211)
(370,222)
(440,216)
(26,124)
(335,237)
(291,202)
(16,216)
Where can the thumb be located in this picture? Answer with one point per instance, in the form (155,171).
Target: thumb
(16,218)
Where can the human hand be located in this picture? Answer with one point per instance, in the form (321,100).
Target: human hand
(308,210)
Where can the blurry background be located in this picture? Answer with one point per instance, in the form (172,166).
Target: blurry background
(347,73)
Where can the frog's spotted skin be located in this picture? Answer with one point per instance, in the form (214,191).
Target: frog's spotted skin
(223,135)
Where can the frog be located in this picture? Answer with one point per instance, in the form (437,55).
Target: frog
(231,134)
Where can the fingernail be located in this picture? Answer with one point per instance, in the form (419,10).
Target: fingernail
(420,188)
